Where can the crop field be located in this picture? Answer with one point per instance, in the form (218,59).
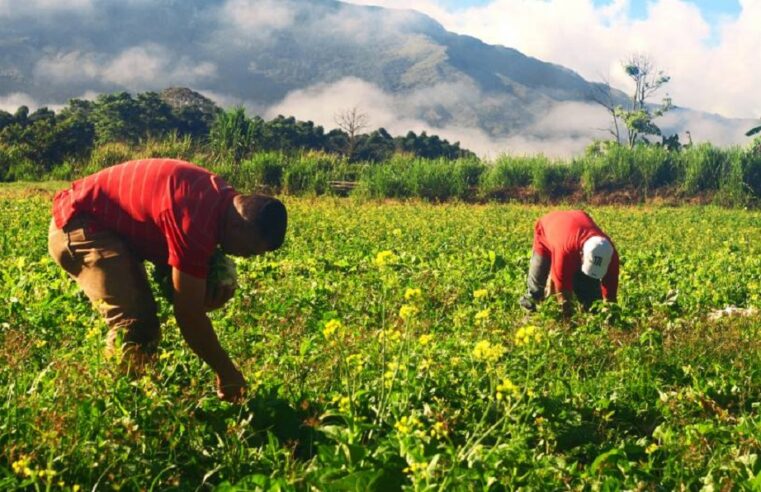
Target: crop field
(385,350)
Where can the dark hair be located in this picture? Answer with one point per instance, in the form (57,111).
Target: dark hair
(268,217)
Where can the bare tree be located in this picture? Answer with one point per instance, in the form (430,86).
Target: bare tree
(635,122)
(647,79)
(603,95)
(352,121)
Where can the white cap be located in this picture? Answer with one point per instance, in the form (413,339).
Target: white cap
(595,257)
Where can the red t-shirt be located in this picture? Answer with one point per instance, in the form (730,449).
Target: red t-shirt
(168,211)
(560,236)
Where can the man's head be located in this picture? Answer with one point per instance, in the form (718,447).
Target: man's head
(595,257)
(254,224)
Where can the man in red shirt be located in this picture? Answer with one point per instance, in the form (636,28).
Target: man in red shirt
(580,257)
(173,214)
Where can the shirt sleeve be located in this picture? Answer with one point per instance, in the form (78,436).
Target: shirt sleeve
(188,250)
(565,264)
(609,282)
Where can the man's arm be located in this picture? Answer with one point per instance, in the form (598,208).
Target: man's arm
(565,297)
(609,282)
(565,264)
(196,329)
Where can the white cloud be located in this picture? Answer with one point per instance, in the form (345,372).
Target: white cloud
(66,68)
(136,68)
(154,66)
(11,102)
(565,129)
(258,18)
(716,74)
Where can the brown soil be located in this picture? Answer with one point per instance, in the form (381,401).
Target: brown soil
(620,196)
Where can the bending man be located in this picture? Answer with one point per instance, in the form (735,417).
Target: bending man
(173,214)
(580,257)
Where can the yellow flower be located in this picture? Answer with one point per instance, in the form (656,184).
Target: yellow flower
(527,334)
(357,361)
(425,364)
(413,294)
(71,318)
(331,327)
(483,314)
(507,388)
(480,293)
(417,469)
(425,339)
(407,425)
(407,311)
(391,335)
(651,449)
(488,352)
(165,355)
(20,465)
(384,258)
(344,403)
(439,430)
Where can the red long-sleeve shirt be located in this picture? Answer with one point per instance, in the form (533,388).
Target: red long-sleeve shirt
(168,211)
(560,236)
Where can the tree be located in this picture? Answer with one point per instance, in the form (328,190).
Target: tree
(753,131)
(352,121)
(117,118)
(156,116)
(376,147)
(647,81)
(603,95)
(634,122)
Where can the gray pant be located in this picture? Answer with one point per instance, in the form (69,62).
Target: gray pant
(586,289)
(538,271)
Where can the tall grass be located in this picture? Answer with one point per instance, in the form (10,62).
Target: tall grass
(434,180)
(730,176)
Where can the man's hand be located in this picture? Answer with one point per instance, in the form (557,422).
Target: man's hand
(565,298)
(217,296)
(196,329)
(231,387)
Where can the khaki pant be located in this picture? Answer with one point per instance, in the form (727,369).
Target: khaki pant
(113,279)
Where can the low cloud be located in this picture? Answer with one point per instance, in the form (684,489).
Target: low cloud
(258,18)
(11,102)
(138,68)
(563,130)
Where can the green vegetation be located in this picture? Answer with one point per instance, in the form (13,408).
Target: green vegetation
(284,155)
(385,349)
(32,145)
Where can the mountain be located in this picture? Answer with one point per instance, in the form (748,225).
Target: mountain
(309,58)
